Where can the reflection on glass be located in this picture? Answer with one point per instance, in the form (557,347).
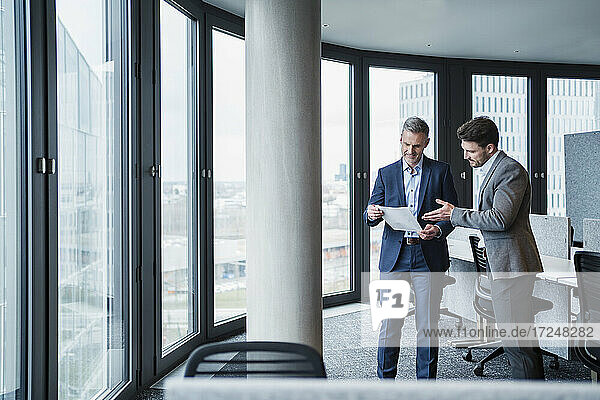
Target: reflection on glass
(336,170)
(395,95)
(229,160)
(10,208)
(573,105)
(178,180)
(92,325)
(504,100)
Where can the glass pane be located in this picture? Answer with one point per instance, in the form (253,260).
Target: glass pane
(10,208)
(395,95)
(178,129)
(504,100)
(572,106)
(336,170)
(229,180)
(92,325)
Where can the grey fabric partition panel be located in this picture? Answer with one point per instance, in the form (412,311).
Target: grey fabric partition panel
(582,178)
(552,234)
(591,234)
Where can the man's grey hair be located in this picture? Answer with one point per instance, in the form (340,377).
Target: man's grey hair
(415,125)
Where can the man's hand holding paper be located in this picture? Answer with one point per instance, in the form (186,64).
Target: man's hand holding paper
(374,212)
(400,219)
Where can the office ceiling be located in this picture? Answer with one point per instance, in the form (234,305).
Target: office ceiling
(565,31)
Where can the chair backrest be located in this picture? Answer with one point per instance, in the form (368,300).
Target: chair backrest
(260,359)
(587,267)
(479,257)
(483,296)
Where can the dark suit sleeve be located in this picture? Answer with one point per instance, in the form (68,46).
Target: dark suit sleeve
(377,197)
(449,195)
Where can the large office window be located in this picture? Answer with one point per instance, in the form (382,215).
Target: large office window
(92,306)
(572,106)
(395,95)
(336,175)
(504,100)
(229,175)
(11,263)
(178,138)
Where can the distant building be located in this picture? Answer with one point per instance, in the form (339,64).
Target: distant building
(417,99)
(504,100)
(342,175)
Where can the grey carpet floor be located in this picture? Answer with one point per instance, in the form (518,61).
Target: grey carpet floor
(350,352)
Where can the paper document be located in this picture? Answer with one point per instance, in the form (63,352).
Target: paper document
(400,218)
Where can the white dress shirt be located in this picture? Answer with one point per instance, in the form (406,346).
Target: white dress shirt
(484,170)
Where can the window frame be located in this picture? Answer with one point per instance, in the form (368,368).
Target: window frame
(28,145)
(43,268)
(235,28)
(550,71)
(433,65)
(532,155)
(507,68)
(154,363)
(163,353)
(340,54)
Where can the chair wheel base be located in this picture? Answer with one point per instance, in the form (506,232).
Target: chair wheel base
(478,370)
(468,356)
(554,364)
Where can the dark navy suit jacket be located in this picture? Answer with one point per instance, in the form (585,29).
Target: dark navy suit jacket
(436,183)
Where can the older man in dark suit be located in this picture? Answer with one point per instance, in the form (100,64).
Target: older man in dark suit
(414,181)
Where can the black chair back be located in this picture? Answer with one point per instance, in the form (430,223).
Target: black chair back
(479,257)
(587,266)
(260,359)
(483,296)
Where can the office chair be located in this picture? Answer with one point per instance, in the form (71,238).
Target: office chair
(264,359)
(482,303)
(447,281)
(587,267)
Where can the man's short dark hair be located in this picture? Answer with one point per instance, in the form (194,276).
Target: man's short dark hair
(481,130)
(415,125)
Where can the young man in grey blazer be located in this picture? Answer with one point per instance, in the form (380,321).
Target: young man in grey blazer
(502,215)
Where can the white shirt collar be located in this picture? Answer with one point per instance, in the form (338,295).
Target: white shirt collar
(418,167)
(485,168)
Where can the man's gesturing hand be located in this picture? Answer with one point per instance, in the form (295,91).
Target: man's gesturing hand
(441,214)
(373,212)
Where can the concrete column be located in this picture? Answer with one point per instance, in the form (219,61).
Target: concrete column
(283,171)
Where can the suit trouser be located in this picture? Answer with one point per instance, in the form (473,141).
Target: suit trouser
(512,301)
(427,287)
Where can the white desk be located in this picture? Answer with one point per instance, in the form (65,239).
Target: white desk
(555,269)
(556,283)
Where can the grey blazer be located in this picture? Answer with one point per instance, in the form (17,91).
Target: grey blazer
(503,217)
